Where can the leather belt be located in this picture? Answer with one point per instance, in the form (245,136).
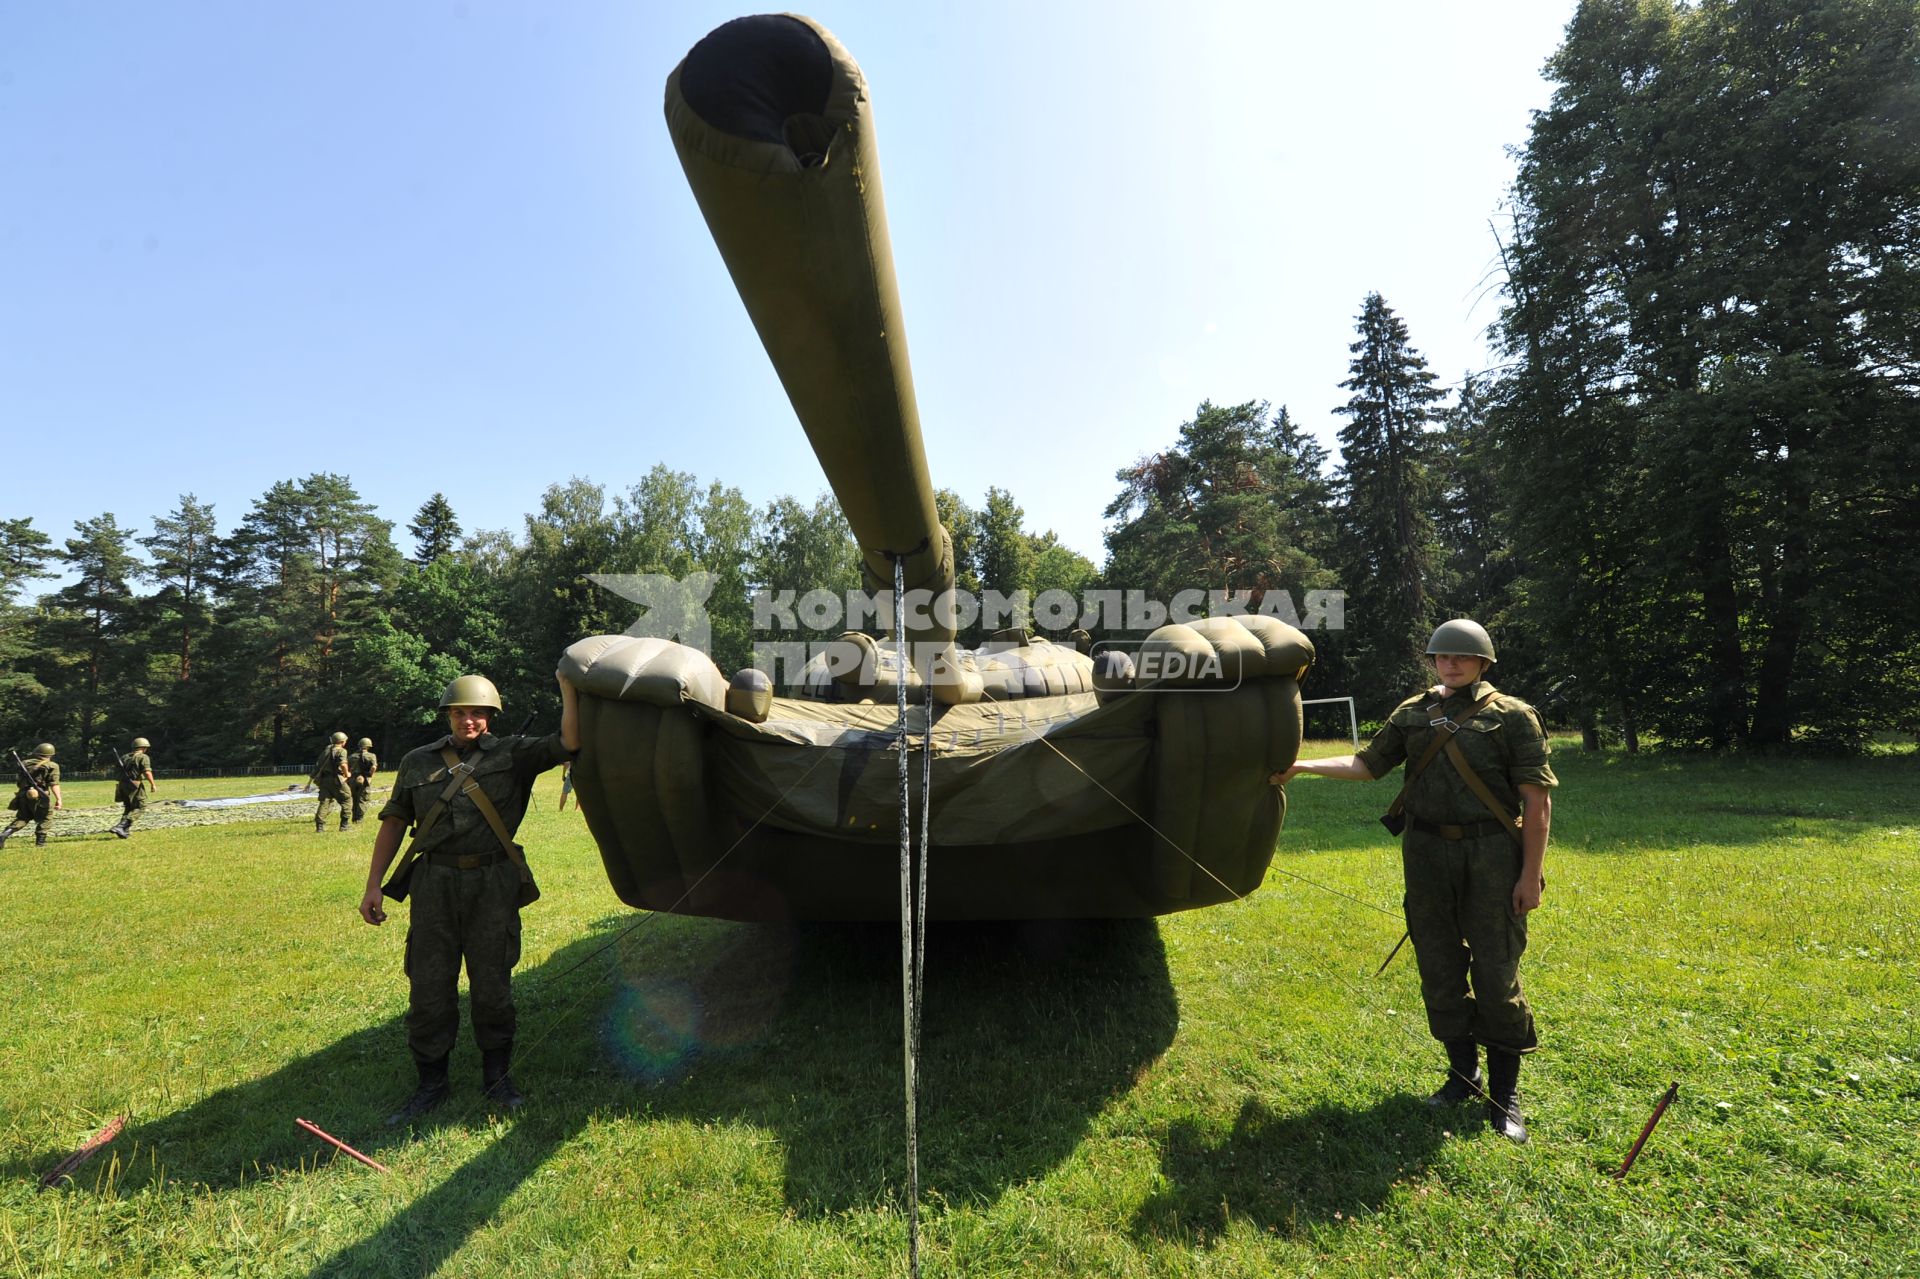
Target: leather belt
(463,861)
(1450,830)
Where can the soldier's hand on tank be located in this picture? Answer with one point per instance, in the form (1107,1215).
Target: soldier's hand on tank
(371,909)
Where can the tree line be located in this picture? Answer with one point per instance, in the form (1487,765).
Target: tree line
(250,645)
(1686,499)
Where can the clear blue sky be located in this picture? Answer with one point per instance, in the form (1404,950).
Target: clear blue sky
(447,246)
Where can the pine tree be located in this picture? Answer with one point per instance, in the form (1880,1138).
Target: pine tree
(93,626)
(24,552)
(1236,505)
(182,550)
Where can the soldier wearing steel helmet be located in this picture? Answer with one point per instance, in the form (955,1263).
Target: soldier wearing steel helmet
(463,796)
(1471,860)
(36,796)
(136,780)
(330,779)
(361,766)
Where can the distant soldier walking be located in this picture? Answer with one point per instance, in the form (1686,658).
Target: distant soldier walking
(1471,862)
(136,780)
(36,795)
(361,766)
(330,779)
(464,797)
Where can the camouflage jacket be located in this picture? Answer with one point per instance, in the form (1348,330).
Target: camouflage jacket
(45,774)
(504,767)
(362,765)
(326,769)
(1505,743)
(133,776)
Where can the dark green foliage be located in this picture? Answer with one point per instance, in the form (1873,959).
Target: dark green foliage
(1388,555)
(92,631)
(1712,280)
(24,552)
(1237,506)
(182,550)
(305,569)
(436,533)
(1006,553)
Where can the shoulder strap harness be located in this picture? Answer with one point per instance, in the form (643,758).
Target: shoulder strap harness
(1446,727)
(460,782)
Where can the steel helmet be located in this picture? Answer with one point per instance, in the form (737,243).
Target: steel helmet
(44,750)
(141,743)
(366,743)
(471,690)
(339,738)
(1464,636)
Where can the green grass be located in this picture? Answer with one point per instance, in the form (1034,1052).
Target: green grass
(1224,1092)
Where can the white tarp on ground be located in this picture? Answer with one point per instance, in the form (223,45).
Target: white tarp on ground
(277,797)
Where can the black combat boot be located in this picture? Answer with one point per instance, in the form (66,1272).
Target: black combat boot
(1463,1074)
(5,835)
(1503,1095)
(121,828)
(429,1096)
(343,821)
(497,1082)
(39,839)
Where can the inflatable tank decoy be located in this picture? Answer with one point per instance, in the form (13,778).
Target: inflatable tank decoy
(1061,786)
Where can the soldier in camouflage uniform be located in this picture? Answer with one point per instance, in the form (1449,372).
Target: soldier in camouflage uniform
(1469,883)
(361,766)
(136,779)
(35,796)
(467,889)
(330,779)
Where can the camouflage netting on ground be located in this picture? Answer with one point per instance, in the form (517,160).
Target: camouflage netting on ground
(99,819)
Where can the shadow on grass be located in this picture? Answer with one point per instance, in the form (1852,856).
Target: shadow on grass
(1282,1172)
(1030,1031)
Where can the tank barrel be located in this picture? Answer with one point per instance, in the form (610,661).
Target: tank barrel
(771,120)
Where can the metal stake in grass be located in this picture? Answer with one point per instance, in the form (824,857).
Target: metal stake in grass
(334,1141)
(1390,954)
(1673,1090)
(94,1145)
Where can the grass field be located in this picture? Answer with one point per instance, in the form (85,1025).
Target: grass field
(1224,1092)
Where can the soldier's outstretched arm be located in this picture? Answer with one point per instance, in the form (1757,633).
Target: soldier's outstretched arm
(569,714)
(1346,767)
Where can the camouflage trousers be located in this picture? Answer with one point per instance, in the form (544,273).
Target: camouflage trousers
(330,800)
(131,805)
(359,790)
(1468,941)
(461,914)
(37,813)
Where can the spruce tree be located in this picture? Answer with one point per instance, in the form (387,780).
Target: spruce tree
(1388,550)
(436,533)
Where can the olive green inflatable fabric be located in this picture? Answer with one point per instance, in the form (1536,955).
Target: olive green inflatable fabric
(1053,806)
(770,118)
(1053,794)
